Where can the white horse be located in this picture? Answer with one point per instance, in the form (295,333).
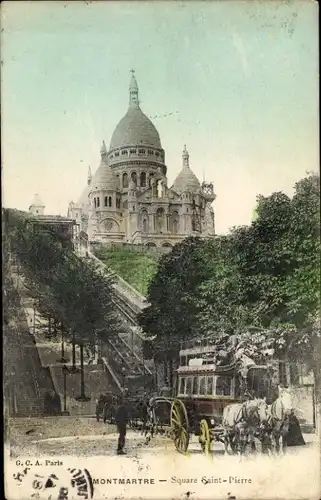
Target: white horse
(274,421)
(240,421)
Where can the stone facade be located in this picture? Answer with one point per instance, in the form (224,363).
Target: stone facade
(128,199)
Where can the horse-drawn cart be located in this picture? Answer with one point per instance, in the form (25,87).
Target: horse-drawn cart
(204,388)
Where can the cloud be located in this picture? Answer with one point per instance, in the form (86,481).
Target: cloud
(241,50)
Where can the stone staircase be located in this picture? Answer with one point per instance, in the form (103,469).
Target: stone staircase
(26,379)
(122,362)
(124,351)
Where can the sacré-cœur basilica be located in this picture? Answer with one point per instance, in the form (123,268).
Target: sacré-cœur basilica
(128,199)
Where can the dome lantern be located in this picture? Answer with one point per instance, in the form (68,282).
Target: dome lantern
(135,128)
(133,91)
(185,157)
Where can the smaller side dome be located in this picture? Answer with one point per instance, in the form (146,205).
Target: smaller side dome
(186,179)
(104,177)
(37,201)
(37,206)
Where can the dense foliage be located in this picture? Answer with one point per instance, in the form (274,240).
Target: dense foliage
(260,281)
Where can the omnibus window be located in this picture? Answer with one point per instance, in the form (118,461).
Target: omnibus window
(210,386)
(188,389)
(202,389)
(182,385)
(195,383)
(223,386)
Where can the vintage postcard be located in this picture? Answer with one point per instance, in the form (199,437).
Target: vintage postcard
(161,250)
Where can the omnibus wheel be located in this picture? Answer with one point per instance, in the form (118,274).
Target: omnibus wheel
(179,426)
(205,437)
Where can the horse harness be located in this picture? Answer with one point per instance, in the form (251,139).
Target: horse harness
(243,415)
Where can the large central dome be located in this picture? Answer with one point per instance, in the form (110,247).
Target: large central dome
(135,129)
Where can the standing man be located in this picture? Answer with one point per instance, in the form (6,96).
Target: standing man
(144,407)
(121,419)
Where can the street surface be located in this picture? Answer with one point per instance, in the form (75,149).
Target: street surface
(83,442)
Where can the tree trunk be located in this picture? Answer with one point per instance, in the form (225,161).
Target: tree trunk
(73,351)
(317,398)
(156,376)
(165,371)
(82,375)
(62,344)
(171,379)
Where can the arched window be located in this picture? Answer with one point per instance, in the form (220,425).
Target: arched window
(143,179)
(105,201)
(174,222)
(125,204)
(117,202)
(124,152)
(98,202)
(166,245)
(144,220)
(117,180)
(95,203)
(160,219)
(134,178)
(109,201)
(195,225)
(150,244)
(125,180)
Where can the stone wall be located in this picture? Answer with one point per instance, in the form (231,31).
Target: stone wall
(157,252)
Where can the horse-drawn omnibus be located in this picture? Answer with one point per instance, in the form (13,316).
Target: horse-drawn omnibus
(208,379)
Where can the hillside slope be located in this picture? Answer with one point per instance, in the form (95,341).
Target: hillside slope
(136,267)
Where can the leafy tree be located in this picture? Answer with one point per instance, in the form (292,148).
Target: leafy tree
(71,291)
(266,275)
(172,294)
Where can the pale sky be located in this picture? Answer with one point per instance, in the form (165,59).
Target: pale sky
(241,79)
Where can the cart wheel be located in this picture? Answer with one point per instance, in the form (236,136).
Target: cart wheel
(205,438)
(179,426)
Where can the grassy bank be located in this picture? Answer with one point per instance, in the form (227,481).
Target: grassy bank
(136,267)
